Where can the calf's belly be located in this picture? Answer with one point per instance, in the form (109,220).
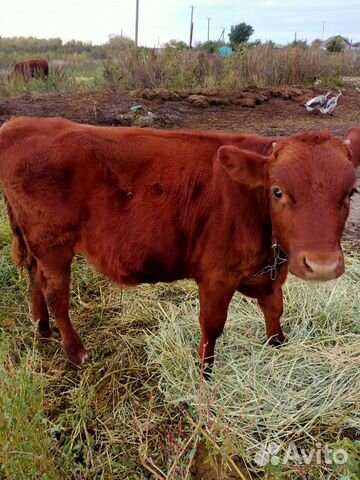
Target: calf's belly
(130,261)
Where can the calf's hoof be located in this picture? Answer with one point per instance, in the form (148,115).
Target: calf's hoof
(77,354)
(205,370)
(278,341)
(44,330)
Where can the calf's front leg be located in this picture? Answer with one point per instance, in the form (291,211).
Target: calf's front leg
(214,301)
(272,308)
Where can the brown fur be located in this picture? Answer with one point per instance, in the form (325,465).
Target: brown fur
(28,69)
(19,251)
(147,206)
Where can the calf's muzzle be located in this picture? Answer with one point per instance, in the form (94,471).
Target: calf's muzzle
(317,266)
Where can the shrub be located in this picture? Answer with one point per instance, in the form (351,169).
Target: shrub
(171,68)
(262,65)
(336,45)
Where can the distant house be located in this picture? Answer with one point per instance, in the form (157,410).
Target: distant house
(347,45)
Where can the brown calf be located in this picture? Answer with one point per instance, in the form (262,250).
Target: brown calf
(148,206)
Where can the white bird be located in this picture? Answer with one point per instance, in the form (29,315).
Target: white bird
(330,104)
(316,102)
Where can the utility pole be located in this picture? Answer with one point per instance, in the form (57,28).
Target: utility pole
(191,26)
(222,36)
(208,29)
(137,23)
(121,33)
(323,28)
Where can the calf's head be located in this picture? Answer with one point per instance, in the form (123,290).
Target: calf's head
(310,179)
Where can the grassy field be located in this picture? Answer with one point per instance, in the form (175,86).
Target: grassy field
(138,408)
(118,65)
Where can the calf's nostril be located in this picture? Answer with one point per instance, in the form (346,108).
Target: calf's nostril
(321,267)
(308,266)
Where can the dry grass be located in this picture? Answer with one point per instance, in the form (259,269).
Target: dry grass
(307,392)
(139,406)
(129,68)
(258,66)
(171,68)
(267,66)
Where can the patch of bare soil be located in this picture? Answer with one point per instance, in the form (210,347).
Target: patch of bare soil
(208,467)
(270,111)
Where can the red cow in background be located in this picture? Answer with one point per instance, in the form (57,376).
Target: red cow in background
(32,69)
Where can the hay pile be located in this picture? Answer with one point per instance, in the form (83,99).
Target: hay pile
(307,393)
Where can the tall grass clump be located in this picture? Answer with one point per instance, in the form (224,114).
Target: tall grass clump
(170,68)
(267,66)
(260,66)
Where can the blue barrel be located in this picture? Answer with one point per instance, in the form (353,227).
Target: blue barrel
(225,52)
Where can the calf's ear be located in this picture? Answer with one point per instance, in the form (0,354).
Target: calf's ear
(244,166)
(353,140)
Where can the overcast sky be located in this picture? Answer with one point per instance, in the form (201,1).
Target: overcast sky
(162,20)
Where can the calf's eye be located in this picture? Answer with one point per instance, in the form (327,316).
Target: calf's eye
(354,190)
(277,193)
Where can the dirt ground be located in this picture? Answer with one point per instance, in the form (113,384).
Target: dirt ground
(267,111)
(264,111)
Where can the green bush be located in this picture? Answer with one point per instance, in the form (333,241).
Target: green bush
(336,45)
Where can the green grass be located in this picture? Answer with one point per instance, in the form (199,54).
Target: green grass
(25,445)
(139,408)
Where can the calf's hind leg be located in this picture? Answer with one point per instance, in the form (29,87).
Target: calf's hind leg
(22,257)
(55,271)
(39,308)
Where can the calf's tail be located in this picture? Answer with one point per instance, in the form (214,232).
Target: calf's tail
(19,250)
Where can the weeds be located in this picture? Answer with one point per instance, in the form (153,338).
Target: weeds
(25,444)
(257,66)
(130,68)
